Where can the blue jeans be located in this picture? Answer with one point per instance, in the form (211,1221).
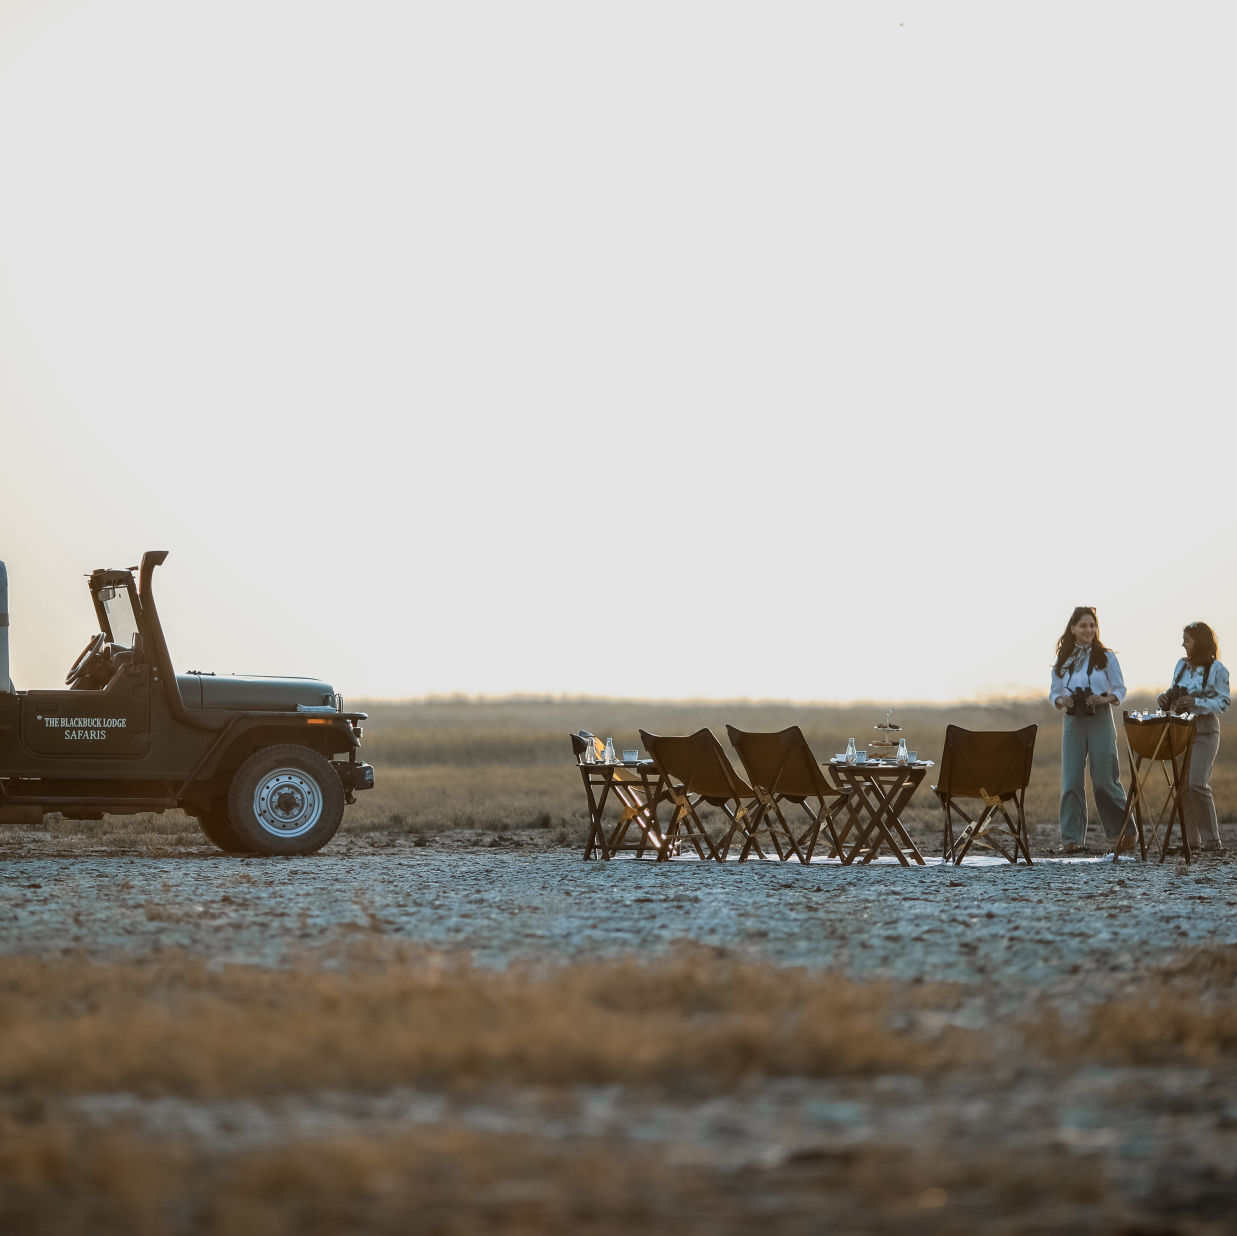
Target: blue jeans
(1090,740)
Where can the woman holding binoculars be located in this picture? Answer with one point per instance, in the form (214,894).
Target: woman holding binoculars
(1086,682)
(1200,686)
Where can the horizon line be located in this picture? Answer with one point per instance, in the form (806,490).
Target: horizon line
(465,697)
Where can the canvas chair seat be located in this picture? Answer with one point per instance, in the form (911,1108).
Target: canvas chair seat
(983,780)
(700,765)
(1164,743)
(782,769)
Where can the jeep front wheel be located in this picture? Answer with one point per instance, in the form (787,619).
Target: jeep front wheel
(218,828)
(285,800)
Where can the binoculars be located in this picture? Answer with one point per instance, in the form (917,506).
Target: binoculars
(1077,705)
(1171,696)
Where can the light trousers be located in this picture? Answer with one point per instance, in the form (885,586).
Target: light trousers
(1201,823)
(1090,740)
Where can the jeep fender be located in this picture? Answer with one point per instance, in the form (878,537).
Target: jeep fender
(245,735)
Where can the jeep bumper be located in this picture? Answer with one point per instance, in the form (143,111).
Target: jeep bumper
(354,776)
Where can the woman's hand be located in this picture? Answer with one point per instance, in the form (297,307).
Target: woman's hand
(1183,703)
(1059,703)
(1093,700)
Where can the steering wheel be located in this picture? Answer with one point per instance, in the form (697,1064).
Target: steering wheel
(90,653)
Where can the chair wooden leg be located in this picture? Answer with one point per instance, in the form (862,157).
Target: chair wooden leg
(686,825)
(968,835)
(788,832)
(836,838)
(1130,816)
(823,817)
(806,841)
(1022,832)
(767,819)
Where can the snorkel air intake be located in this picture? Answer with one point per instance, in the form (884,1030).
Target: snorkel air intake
(162,658)
(5,683)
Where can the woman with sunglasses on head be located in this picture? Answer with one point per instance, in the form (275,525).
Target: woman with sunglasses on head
(1200,686)
(1086,682)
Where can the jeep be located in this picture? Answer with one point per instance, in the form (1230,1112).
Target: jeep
(264,764)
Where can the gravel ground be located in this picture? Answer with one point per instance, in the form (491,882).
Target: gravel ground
(1163,1140)
(1010,932)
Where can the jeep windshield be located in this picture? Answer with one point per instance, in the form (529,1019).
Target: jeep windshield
(121,621)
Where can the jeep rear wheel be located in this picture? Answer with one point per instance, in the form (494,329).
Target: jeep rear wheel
(285,800)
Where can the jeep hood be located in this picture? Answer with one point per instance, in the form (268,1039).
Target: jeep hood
(244,694)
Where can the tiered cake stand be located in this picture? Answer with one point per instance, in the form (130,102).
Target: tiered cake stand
(885,747)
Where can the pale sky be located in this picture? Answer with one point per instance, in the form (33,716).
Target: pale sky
(782,350)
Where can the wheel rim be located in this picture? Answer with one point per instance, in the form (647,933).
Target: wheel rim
(287,802)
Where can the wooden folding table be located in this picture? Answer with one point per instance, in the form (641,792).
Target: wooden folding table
(877,794)
(629,790)
(635,792)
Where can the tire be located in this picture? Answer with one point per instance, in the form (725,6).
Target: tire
(218,828)
(285,800)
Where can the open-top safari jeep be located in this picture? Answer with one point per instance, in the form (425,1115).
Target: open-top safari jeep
(265,764)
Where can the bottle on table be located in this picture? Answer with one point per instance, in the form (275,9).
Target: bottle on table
(852,756)
(903,757)
(609,757)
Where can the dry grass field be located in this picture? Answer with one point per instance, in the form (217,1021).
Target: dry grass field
(505,764)
(390,1087)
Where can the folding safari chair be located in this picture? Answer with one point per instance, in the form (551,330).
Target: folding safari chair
(1166,742)
(992,767)
(700,766)
(632,792)
(782,769)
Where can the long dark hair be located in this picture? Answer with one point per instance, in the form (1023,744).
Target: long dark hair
(1206,650)
(1067,643)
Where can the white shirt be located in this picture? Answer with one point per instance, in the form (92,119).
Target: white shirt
(1098,682)
(1212,699)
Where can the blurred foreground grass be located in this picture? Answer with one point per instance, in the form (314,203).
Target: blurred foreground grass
(393,1015)
(385,1013)
(178,1032)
